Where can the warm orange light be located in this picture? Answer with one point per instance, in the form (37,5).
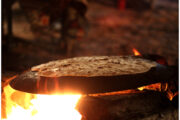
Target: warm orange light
(26,106)
(155,87)
(171,95)
(136,53)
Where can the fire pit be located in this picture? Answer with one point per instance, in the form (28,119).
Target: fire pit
(102,82)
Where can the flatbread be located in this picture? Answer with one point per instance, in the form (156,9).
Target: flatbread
(95,66)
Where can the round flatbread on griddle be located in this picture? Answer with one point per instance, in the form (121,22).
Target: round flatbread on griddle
(95,66)
(89,75)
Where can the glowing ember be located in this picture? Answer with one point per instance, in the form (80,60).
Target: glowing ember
(136,53)
(171,95)
(155,87)
(26,106)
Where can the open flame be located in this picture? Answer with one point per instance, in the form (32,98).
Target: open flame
(136,52)
(25,106)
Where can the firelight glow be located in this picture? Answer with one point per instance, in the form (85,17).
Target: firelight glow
(26,106)
(136,52)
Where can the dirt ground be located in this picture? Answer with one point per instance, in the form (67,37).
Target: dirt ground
(111,32)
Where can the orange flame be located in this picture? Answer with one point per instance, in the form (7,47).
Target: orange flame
(171,95)
(25,106)
(155,87)
(158,87)
(136,52)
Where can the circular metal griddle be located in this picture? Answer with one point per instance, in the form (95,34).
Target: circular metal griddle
(31,82)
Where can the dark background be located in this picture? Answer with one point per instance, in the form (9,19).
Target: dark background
(151,28)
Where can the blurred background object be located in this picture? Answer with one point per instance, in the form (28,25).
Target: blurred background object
(37,31)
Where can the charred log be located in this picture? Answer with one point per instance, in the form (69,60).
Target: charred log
(137,106)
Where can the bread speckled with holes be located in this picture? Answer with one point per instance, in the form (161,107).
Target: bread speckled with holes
(95,66)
